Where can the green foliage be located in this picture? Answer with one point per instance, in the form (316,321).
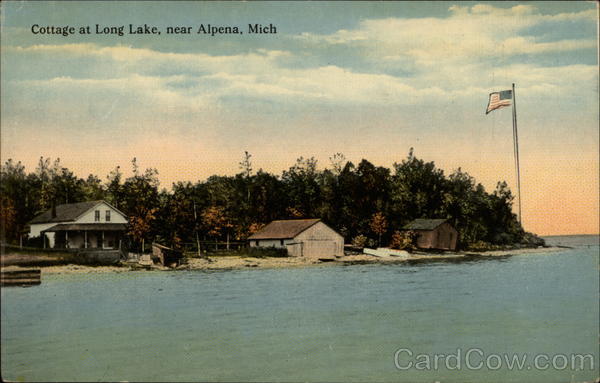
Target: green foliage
(532,240)
(302,187)
(482,246)
(139,199)
(353,199)
(378,225)
(215,220)
(404,240)
(359,241)
(417,189)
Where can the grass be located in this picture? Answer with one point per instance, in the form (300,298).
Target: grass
(247,252)
(36,257)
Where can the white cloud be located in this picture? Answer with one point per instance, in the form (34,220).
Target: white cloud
(468,34)
(205,79)
(450,57)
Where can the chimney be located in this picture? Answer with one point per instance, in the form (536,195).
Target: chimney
(53,209)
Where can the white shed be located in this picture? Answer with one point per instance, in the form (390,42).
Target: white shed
(301,237)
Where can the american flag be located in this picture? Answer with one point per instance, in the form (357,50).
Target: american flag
(499,100)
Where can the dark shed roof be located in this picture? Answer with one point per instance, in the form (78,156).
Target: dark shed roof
(65,212)
(424,224)
(87,227)
(284,229)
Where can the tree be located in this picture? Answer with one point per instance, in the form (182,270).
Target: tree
(114,188)
(175,219)
(371,193)
(378,225)
(338,161)
(47,196)
(359,241)
(302,186)
(404,240)
(67,186)
(246,166)
(255,227)
(352,199)
(17,200)
(215,221)
(8,222)
(93,189)
(417,188)
(268,199)
(242,232)
(140,201)
(140,226)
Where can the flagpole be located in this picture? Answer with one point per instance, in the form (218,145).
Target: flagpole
(516,149)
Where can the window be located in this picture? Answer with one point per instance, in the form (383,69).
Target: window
(97,216)
(108,216)
(281,241)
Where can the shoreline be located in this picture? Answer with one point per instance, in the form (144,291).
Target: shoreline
(226,263)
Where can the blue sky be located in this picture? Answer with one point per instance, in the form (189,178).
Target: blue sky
(366,79)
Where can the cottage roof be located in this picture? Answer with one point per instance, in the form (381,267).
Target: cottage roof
(87,227)
(284,229)
(66,212)
(424,224)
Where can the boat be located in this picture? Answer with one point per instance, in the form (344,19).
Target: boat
(384,252)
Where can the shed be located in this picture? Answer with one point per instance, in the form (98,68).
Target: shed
(433,233)
(301,237)
(165,255)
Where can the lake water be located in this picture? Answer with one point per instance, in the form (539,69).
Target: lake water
(333,323)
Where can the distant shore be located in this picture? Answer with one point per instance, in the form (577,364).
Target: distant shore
(223,263)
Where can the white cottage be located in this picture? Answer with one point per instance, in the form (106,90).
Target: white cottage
(301,237)
(83,225)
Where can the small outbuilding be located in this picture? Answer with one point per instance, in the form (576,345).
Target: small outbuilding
(433,234)
(301,237)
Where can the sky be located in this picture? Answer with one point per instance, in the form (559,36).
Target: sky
(369,80)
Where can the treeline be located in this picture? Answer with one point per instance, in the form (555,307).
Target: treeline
(363,201)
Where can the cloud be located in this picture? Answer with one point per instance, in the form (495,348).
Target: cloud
(406,61)
(469,33)
(144,60)
(192,80)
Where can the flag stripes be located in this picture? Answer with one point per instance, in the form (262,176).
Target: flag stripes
(499,100)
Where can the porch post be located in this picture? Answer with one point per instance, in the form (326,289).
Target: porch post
(44,239)
(66,239)
(103,239)
(85,238)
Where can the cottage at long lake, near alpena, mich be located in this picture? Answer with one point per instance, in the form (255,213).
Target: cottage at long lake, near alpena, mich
(301,238)
(83,225)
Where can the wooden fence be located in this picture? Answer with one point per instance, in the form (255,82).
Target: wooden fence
(212,246)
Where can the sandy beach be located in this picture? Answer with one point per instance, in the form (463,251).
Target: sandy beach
(214,263)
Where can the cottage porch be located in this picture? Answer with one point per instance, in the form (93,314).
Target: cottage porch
(87,235)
